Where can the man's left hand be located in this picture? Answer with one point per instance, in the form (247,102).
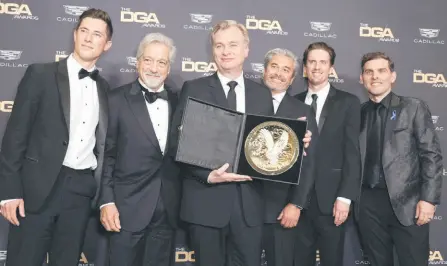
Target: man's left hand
(340,212)
(289,216)
(425,212)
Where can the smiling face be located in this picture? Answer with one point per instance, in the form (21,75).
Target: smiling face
(318,67)
(91,39)
(229,49)
(377,77)
(153,66)
(279,73)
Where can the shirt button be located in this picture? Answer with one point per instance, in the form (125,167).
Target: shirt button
(83,122)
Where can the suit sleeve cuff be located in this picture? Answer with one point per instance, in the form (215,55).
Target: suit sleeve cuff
(3,202)
(110,203)
(345,200)
(298,206)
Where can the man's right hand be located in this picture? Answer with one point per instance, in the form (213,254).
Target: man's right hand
(9,210)
(110,218)
(220,176)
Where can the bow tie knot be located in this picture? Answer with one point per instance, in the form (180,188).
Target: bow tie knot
(153,96)
(84,73)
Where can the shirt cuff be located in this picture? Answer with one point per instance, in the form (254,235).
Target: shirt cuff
(345,200)
(3,202)
(298,206)
(110,203)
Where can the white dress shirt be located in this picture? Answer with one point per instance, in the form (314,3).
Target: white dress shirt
(159,114)
(277,99)
(322,95)
(84,117)
(239,90)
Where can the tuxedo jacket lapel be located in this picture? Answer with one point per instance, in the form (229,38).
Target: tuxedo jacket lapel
(327,108)
(63,85)
(172,103)
(102,87)
(217,91)
(393,118)
(137,104)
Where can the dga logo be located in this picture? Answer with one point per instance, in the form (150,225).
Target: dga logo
(11,55)
(183,255)
(317,257)
(333,76)
(74,12)
(435,119)
(435,258)
(200,21)
(147,20)
(263,258)
(383,34)
(60,55)
(362,262)
(83,261)
(436,80)
(18,11)
(131,61)
(207,68)
(429,37)
(258,70)
(320,30)
(3,255)
(271,27)
(6,107)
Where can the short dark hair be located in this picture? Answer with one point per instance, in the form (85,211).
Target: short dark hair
(377,55)
(97,14)
(319,46)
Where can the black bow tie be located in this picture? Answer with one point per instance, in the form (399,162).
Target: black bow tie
(84,73)
(153,96)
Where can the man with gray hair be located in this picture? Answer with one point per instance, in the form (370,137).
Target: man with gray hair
(140,189)
(284,202)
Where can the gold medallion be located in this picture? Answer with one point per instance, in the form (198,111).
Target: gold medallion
(271,148)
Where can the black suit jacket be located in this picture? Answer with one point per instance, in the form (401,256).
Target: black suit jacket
(135,171)
(211,204)
(37,135)
(411,156)
(278,195)
(338,153)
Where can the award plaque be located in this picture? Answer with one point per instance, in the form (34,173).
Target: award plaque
(262,147)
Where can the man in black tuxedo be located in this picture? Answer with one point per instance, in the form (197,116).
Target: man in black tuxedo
(337,161)
(140,192)
(402,169)
(52,150)
(284,202)
(224,210)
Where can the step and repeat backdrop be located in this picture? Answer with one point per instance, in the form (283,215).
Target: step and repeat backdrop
(412,32)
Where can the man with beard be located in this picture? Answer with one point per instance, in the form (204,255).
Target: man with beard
(224,210)
(283,202)
(140,187)
(52,150)
(337,158)
(402,169)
